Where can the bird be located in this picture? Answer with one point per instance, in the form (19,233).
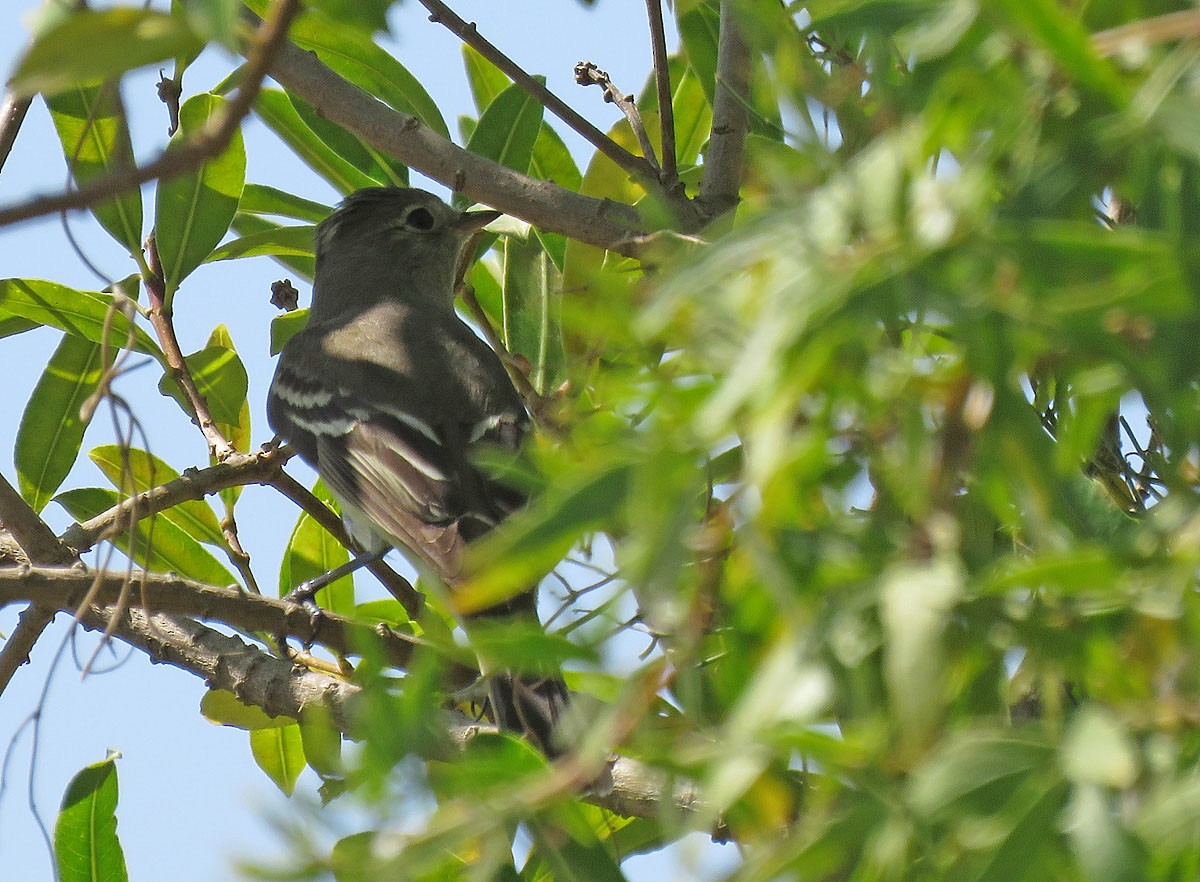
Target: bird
(387,393)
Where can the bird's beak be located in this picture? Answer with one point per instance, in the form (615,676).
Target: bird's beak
(470,221)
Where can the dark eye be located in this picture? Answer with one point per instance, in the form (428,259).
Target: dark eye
(420,219)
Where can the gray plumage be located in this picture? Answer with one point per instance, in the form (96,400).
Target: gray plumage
(386,392)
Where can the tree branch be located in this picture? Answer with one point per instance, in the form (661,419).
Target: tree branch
(662,86)
(64,588)
(589,74)
(269,37)
(39,545)
(275,685)
(236,471)
(638,167)
(599,222)
(727,143)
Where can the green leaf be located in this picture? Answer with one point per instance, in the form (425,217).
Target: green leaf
(11,325)
(220,377)
(367,16)
(280,753)
(93,129)
(279,241)
(486,80)
(357,58)
(80,313)
(97,45)
(508,128)
(699,25)
(51,428)
(532,298)
(171,550)
(312,552)
(285,326)
(226,709)
(276,110)
(86,847)
(135,471)
(261,199)
(249,224)
(193,211)
(381,169)
(322,741)
(225,392)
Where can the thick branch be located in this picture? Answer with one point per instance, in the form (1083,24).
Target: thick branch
(64,588)
(727,143)
(598,222)
(185,157)
(275,685)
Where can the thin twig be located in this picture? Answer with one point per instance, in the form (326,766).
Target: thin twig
(727,143)
(161,317)
(662,85)
(264,45)
(588,74)
(399,587)
(469,34)
(1148,32)
(12,114)
(237,471)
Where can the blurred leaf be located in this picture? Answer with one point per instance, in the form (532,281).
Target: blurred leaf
(976,773)
(322,741)
(280,753)
(171,550)
(86,847)
(193,211)
(79,313)
(530,543)
(136,471)
(1097,751)
(93,45)
(91,124)
(51,428)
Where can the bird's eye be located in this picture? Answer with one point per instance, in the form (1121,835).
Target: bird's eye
(419,219)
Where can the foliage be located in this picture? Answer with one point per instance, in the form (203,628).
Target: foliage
(898,468)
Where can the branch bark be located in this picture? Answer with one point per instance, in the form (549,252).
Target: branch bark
(598,222)
(727,144)
(273,684)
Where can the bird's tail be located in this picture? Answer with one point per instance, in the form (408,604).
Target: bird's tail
(530,706)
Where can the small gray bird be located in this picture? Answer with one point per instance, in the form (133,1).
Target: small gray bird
(387,391)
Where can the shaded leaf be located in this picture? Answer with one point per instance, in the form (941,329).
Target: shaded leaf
(276,242)
(312,552)
(225,709)
(261,199)
(275,109)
